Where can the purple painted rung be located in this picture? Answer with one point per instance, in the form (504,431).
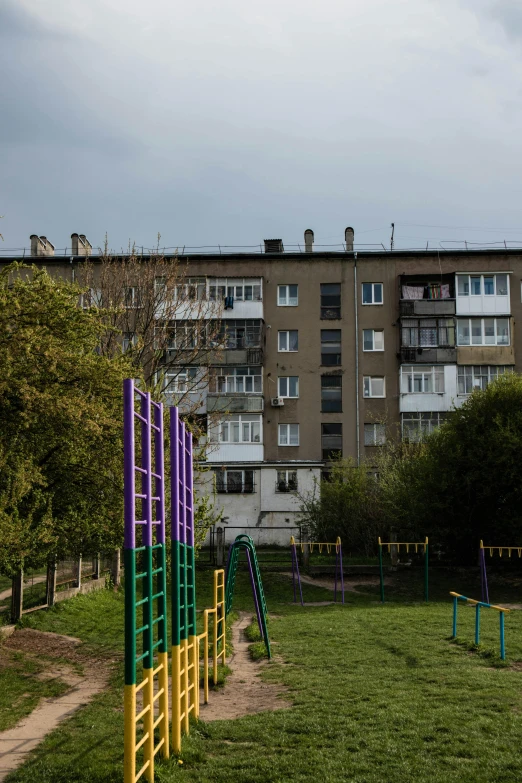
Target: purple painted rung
(182,528)
(152,467)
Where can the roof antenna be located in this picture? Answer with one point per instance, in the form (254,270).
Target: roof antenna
(393,232)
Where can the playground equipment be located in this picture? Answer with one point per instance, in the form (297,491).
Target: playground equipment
(398,544)
(244,542)
(479,604)
(145,565)
(296,577)
(482,558)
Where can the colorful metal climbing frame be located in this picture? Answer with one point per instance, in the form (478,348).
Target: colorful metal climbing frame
(185,662)
(218,638)
(320,546)
(146,656)
(245,543)
(424,548)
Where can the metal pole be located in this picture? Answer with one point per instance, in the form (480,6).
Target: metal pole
(502,646)
(455,605)
(381,573)
(426,571)
(477,625)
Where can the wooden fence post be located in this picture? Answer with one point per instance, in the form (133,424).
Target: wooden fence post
(51,582)
(116,568)
(17,596)
(79,572)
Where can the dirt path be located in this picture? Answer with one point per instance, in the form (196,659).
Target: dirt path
(244,692)
(16,743)
(350,585)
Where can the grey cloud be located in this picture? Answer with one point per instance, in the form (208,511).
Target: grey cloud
(509,14)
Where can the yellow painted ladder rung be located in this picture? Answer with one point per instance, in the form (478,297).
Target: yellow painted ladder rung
(157,695)
(142,770)
(158,746)
(155,671)
(142,741)
(158,720)
(141,685)
(140,715)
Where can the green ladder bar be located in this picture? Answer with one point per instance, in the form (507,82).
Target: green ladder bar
(245,542)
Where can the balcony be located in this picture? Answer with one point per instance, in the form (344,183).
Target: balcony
(216,356)
(235,403)
(429,355)
(414,307)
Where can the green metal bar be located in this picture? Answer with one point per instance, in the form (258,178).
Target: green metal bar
(477,625)
(148,609)
(175,593)
(502,645)
(455,605)
(130,616)
(381,573)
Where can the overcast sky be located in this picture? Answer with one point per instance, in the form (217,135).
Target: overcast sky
(226,123)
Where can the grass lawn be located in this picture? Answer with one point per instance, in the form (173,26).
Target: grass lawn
(380,694)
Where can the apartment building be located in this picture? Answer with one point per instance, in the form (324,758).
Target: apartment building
(320,353)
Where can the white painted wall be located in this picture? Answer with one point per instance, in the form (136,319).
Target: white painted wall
(235,452)
(418,403)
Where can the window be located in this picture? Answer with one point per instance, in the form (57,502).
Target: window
(374,434)
(372,293)
(236,334)
(287,296)
(236,380)
(373,339)
(482,285)
(241,289)
(288,387)
(416,426)
(331,393)
(191,289)
(234,481)
(90,298)
(428,333)
(184,337)
(330,300)
(373,386)
(483,331)
(422,380)
(181,380)
(288,341)
(288,435)
(237,429)
(332,440)
(286,481)
(129,339)
(132,297)
(477,377)
(330,347)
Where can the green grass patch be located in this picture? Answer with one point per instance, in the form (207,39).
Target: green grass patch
(380,693)
(21,687)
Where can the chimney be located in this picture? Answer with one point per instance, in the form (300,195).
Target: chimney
(80,245)
(40,246)
(309,240)
(348,238)
(274,246)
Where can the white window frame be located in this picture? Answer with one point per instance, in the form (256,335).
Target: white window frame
(234,382)
(181,380)
(280,387)
(224,473)
(482,292)
(373,302)
(287,428)
(426,416)
(478,372)
(378,430)
(287,474)
(221,287)
(433,372)
(287,332)
(223,428)
(373,349)
(128,339)
(493,318)
(131,297)
(283,295)
(368,386)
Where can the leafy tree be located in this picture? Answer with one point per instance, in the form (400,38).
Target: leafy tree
(61,482)
(464,482)
(347,505)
